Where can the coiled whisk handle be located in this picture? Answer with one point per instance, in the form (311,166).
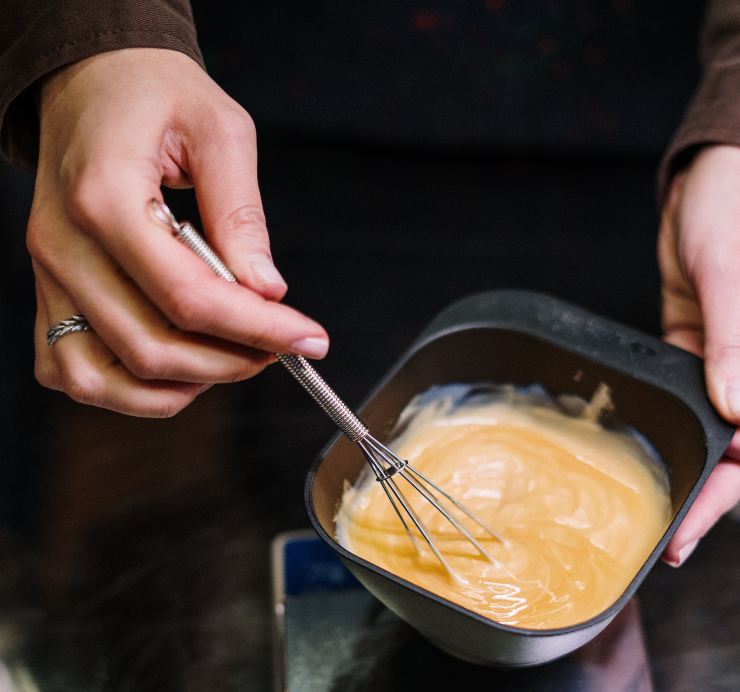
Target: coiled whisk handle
(324,396)
(298,366)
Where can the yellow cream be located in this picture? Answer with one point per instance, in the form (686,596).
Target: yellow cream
(580,507)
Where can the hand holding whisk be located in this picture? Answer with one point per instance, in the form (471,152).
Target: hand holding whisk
(386,465)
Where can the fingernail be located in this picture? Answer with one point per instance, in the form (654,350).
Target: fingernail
(267,274)
(732,396)
(684,553)
(162,213)
(311,347)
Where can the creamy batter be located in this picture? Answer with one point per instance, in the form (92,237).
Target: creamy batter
(580,507)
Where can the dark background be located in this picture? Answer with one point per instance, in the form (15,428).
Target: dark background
(410,154)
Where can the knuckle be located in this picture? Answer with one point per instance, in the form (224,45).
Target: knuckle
(171,407)
(235,125)
(169,410)
(42,240)
(88,191)
(188,307)
(728,353)
(146,359)
(247,216)
(248,372)
(248,222)
(45,374)
(35,238)
(712,260)
(83,388)
(263,333)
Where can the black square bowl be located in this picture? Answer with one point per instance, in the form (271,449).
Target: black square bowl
(524,338)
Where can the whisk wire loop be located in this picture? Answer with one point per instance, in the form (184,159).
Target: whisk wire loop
(409,532)
(427,489)
(467,512)
(419,525)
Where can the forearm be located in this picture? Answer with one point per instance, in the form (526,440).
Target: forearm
(39,36)
(713,116)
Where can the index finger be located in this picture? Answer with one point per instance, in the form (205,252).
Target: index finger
(115,209)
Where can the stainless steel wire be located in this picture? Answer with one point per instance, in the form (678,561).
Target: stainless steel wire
(385,464)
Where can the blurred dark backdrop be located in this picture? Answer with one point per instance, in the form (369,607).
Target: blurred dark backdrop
(410,153)
(566,76)
(414,152)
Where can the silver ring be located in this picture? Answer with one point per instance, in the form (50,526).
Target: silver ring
(76,323)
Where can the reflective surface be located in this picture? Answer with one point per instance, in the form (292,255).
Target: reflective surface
(333,635)
(135,554)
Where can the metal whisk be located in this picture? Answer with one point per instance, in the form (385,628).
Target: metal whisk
(386,465)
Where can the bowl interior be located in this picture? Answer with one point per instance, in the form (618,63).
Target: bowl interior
(497,355)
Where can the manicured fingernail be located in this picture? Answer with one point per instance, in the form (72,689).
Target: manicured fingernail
(684,553)
(311,347)
(732,396)
(267,274)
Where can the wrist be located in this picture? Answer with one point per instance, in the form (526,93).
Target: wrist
(113,68)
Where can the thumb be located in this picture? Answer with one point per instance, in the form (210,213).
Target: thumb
(223,166)
(718,288)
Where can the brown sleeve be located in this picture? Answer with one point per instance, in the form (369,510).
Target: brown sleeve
(38,36)
(713,116)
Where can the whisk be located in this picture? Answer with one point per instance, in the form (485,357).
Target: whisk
(387,466)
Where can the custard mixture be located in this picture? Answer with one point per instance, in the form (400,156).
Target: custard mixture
(580,507)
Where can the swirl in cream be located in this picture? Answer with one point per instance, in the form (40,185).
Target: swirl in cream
(581,507)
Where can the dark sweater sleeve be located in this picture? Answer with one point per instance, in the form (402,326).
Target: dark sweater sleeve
(38,36)
(713,116)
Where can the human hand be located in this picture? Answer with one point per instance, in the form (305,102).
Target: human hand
(699,256)
(114,128)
